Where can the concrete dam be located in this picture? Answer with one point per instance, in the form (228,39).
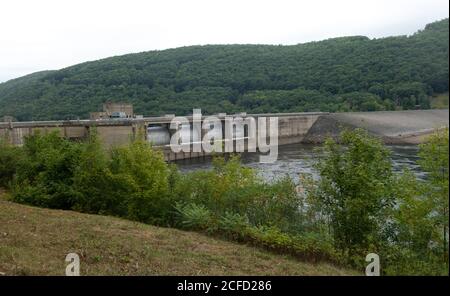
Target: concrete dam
(399,127)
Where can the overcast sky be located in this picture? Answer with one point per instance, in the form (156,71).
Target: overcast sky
(38,35)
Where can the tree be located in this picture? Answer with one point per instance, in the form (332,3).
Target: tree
(10,156)
(434,160)
(355,189)
(44,176)
(147,176)
(99,190)
(419,235)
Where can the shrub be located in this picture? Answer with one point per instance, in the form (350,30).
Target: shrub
(10,157)
(143,169)
(45,173)
(434,160)
(100,191)
(234,225)
(231,189)
(355,190)
(307,246)
(196,217)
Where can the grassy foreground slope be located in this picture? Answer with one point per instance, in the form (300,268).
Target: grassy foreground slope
(35,241)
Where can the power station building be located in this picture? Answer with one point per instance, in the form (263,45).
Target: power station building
(114,110)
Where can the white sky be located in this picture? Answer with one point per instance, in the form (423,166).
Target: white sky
(38,35)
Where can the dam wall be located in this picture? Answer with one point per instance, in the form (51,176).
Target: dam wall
(393,127)
(292,128)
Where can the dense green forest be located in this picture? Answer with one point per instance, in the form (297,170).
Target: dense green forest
(340,74)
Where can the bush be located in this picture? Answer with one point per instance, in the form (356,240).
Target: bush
(306,246)
(231,188)
(130,181)
(355,190)
(10,157)
(100,191)
(196,217)
(44,174)
(369,209)
(148,196)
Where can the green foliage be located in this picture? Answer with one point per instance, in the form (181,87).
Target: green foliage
(355,188)
(147,195)
(231,201)
(193,216)
(44,176)
(307,246)
(234,225)
(129,181)
(367,208)
(357,206)
(133,181)
(340,74)
(232,188)
(434,160)
(408,247)
(413,216)
(100,190)
(10,156)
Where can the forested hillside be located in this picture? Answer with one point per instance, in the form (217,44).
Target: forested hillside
(340,74)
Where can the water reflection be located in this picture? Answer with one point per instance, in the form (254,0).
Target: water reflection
(299,158)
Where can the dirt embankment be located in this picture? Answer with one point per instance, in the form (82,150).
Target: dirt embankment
(394,127)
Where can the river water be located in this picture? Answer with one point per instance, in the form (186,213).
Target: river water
(295,159)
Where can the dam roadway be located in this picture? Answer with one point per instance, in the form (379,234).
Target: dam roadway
(393,127)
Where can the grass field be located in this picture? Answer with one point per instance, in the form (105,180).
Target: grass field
(35,241)
(439,101)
